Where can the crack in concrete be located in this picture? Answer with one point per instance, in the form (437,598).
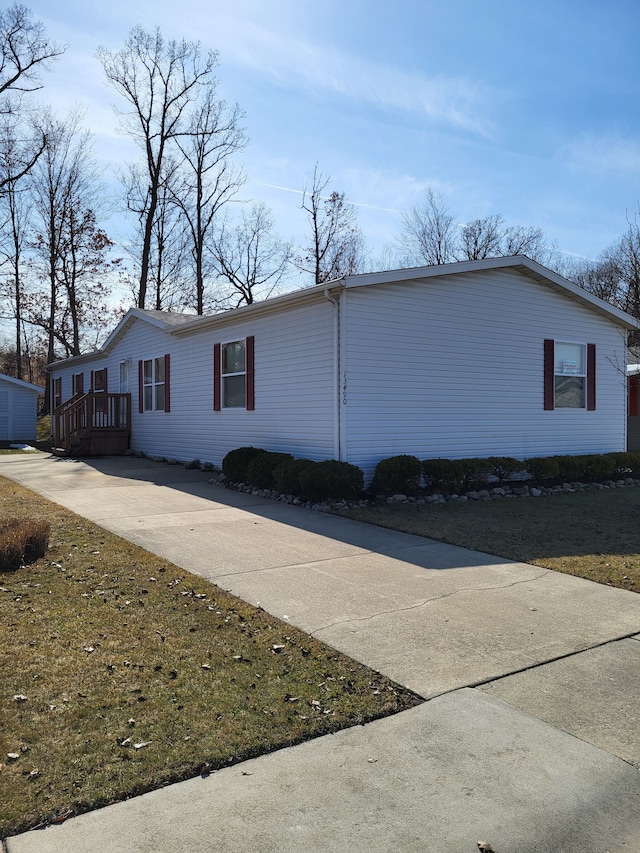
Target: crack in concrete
(426,601)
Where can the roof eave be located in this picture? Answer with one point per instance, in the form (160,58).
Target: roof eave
(256,308)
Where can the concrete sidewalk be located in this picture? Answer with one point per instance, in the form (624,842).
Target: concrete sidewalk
(544,756)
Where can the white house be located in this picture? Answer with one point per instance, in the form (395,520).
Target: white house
(18,409)
(633,424)
(491,357)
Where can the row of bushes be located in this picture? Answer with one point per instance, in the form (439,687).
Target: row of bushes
(407,474)
(315,481)
(22,541)
(332,480)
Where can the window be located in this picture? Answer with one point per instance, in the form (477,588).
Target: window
(99,380)
(233,379)
(57,392)
(569,375)
(233,375)
(77,383)
(124,377)
(153,384)
(634,387)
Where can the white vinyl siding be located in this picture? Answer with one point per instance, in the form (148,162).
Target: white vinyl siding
(294,386)
(18,412)
(453,367)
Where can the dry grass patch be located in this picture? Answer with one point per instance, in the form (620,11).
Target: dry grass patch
(592,534)
(22,540)
(121,672)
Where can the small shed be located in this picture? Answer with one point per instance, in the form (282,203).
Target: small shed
(18,409)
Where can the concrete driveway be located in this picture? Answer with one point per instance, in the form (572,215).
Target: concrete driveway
(531,737)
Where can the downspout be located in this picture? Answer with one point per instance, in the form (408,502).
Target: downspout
(336,372)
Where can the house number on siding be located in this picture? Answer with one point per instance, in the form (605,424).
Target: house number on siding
(344,389)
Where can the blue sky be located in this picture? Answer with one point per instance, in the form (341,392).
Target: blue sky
(527,109)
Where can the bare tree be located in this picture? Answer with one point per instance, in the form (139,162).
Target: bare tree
(25,51)
(168,248)
(14,228)
(526,240)
(160,79)
(168,263)
(482,238)
(249,258)
(615,275)
(626,256)
(601,278)
(70,250)
(209,178)
(336,245)
(429,234)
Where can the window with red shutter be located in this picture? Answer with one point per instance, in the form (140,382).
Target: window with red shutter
(569,375)
(234,375)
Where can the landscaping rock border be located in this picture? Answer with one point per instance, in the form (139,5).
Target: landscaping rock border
(517,490)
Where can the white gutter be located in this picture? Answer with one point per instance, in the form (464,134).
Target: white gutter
(336,371)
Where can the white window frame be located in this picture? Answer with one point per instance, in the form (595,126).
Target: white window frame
(154,384)
(230,374)
(566,373)
(124,373)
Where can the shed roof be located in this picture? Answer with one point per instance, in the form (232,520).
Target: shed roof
(28,386)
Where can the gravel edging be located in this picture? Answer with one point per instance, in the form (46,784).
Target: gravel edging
(517,489)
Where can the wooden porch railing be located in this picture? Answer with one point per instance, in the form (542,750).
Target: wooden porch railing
(93,424)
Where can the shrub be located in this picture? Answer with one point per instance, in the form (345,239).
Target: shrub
(397,474)
(444,474)
(626,463)
(543,468)
(22,541)
(234,464)
(503,467)
(287,475)
(572,468)
(473,472)
(599,467)
(260,470)
(331,480)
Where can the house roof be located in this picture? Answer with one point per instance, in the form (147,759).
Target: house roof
(633,369)
(165,320)
(184,324)
(21,384)
(521,263)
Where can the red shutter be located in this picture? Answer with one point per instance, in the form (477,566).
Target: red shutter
(217,370)
(549,392)
(250,365)
(167,375)
(92,388)
(591,377)
(634,383)
(140,387)
(106,384)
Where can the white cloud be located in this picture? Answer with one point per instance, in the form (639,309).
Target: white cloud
(454,101)
(605,153)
